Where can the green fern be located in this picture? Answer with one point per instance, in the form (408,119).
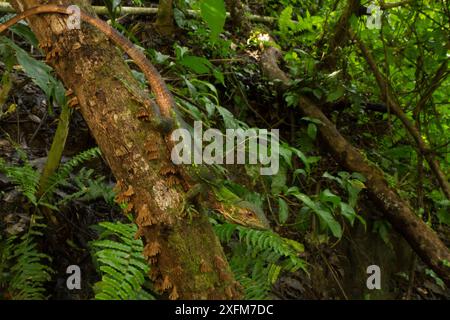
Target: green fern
(258,257)
(24,269)
(25,177)
(121,263)
(63,173)
(89,188)
(284,21)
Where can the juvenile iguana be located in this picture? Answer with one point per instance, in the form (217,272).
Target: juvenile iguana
(231,206)
(240,212)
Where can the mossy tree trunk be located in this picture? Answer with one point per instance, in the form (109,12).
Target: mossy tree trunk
(165,19)
(238,17)
(340,37)
(186,258)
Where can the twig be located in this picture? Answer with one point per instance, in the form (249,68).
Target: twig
(439,77)
(333,274)
(6,8)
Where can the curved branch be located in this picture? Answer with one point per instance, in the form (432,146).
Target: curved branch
(397,211)
(163,97)
(397,110)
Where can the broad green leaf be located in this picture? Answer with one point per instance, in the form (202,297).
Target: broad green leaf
(283,213)
(302,157)
(214,14)
(336,94)
(312,131)
(348,212)
(286,153)
(279,180)
(325,215)
(25,32)
(443,215)
(328,196)
(228,118)
(199,65)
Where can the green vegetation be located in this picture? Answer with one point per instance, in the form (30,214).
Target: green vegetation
(324,221)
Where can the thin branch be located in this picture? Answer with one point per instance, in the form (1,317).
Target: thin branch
(440,76)
(398,111)
(386,6)
(6,8)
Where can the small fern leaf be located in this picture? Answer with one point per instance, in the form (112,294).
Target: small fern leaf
(122,264)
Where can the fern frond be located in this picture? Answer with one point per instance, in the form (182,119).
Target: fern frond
(259,257)
(28,271)
(121,263)
(25,177)
(67,168)
(268,241)
(90,188)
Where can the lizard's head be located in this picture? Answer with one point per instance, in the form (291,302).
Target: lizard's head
(244,215)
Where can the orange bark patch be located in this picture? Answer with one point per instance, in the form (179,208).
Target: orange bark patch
(229,292)
(174,294)
(224,276)
(167,169)
(152,261)
(118,187)
(129,191)
(173,180)
(144,219)
(143,114)
(218,261)
(139,232)
(204,267)
(166,284)
(152,150)
(125,196)
(152,249)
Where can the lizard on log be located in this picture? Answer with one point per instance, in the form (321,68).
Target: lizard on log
(240,212)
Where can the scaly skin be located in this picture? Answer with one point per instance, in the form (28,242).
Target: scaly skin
(240,214)
(244,214)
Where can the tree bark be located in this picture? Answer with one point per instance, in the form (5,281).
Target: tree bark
(397,211)
(186,258)
(340,37)
(165,20)
(238,15)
